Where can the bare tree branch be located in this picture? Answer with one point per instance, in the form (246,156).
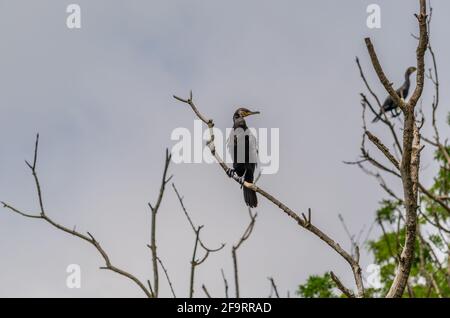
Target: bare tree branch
(206,291)
(154,211)
(244,237)
(436,223)
(347,292)
(434,77)
(225,283)
(381,181)
(384,118)
(180,199)
(396,164)
(274,286)
(354,241)
(198,242)
(87,238)
(167,277)
(301,222)
(382,76)
(383,149)
(194,262)
(434,198)
(361,73)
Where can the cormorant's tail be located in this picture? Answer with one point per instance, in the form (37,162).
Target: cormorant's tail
(250,198)
(249,195)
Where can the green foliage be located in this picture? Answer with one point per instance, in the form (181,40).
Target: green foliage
(386,213)
(387,247)
(437,241)
(317,287)
(441,187)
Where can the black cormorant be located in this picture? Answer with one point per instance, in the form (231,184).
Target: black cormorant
(243,148)
(403,91)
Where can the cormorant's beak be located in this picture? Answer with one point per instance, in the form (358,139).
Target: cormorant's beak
(251,113)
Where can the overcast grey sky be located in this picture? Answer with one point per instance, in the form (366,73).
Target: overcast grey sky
(101,99)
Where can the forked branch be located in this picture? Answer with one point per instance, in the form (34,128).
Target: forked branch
(85,237)
(195,261)
(248,231)
(154,211)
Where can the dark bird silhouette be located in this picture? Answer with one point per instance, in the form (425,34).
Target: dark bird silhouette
(244,151)
(389,104)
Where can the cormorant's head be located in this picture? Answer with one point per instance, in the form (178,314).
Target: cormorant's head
(411,70)
(239,115)
(243,112)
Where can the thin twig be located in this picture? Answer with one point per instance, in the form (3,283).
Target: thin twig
(248,231)
(198,242)
(347,292)
(206,291)
(225,283)
(180,199)
(167,277)
(194,262)
(274,286)
(87,238)
(154,211)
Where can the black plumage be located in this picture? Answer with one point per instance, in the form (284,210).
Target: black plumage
(242,146)
(389,105)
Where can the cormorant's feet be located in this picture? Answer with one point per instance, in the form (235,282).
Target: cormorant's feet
(241,181)
(230,172)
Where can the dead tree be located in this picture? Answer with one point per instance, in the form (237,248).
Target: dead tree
(404,160)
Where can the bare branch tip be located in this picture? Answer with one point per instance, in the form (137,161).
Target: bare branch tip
(28,165)
(168,179)
(92,237)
